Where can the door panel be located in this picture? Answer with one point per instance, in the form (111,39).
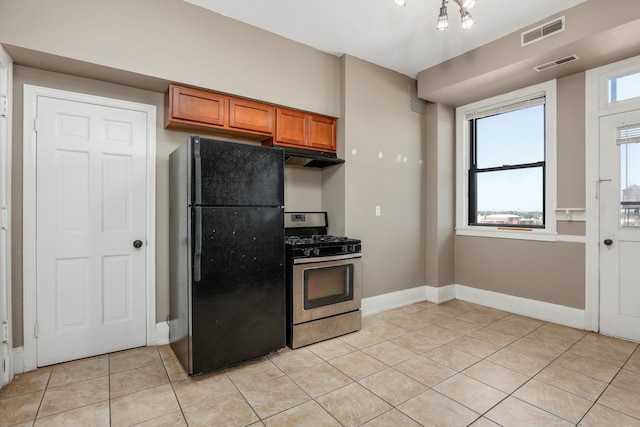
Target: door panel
(619,225)
(91,186)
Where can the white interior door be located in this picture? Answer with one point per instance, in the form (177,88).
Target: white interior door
(620,225)
(91,188)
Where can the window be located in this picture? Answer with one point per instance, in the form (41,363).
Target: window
(624,87)
(506,165)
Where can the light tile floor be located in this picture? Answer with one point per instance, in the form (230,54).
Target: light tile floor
(453,364)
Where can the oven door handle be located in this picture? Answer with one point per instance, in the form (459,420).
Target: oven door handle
(326,258)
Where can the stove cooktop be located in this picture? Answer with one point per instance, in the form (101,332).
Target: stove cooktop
(320,240)
(320,246)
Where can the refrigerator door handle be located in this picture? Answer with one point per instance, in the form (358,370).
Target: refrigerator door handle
(198,171)
(197,253)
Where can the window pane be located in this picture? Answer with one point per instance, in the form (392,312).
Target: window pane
(630,185)
(512,138)
(510,197)
(624,87)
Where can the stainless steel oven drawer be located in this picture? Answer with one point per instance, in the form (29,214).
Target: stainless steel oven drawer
(324,329)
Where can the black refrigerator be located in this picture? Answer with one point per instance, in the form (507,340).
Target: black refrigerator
(227,287)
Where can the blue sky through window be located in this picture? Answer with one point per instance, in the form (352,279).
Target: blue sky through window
(624,87)
(511,138)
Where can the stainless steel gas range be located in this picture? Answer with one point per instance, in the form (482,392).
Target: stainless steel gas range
(323,280)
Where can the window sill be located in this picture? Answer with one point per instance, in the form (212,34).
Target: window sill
(504,233)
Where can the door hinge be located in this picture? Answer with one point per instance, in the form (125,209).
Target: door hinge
(35,330)
(4,218)
(5,331)
(4,106)
(35,124)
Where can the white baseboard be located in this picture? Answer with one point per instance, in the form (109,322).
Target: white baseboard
(162,333)
(384,302)
(548,312)
(18,360)
(441,294)
(562,315)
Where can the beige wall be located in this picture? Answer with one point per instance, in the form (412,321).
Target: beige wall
(378,119)
(170,40)
(571,141)
(549,272)
(544,271)
(440,195)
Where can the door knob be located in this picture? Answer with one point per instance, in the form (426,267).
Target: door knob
(608,242)
(137,244)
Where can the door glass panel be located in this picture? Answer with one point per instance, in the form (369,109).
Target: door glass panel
(630,185)
(624,87)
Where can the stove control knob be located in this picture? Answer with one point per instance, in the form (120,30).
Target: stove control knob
(306,252)
(316,251)
(343,248)
(353,248)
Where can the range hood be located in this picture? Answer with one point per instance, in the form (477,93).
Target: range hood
(310,158)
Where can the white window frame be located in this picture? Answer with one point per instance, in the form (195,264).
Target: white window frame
(549,233)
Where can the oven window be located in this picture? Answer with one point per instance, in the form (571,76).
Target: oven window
(328,285)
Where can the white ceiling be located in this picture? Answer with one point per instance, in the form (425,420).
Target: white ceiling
(403,39)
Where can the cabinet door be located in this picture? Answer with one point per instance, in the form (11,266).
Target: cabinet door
(322,133)
(252,116)
(292,127)
(198,106)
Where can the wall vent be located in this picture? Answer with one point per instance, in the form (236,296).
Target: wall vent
(543,31)
(557,62)
(416,104)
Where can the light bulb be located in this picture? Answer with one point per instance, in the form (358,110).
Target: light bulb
(467,20)
(400,2)
(443,19)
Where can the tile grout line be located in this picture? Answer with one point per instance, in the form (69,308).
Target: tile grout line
(608,385)
(184,417)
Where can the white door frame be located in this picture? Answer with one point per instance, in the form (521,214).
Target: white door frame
(31,94)
(6,319)
(596,94)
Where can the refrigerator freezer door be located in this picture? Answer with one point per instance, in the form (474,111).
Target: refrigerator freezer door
(238,308)
(234,174)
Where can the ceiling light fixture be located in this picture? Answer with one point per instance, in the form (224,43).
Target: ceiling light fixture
(465,16)
(443,18)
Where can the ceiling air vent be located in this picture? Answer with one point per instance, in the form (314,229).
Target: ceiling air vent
(557,62)
(543,31)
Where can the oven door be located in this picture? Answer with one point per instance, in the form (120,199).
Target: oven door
(326,286)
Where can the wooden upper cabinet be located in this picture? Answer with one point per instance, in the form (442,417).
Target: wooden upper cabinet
(305,130)
(195,105)
(292,127)
(251,116)
(322,133)
(204,111)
